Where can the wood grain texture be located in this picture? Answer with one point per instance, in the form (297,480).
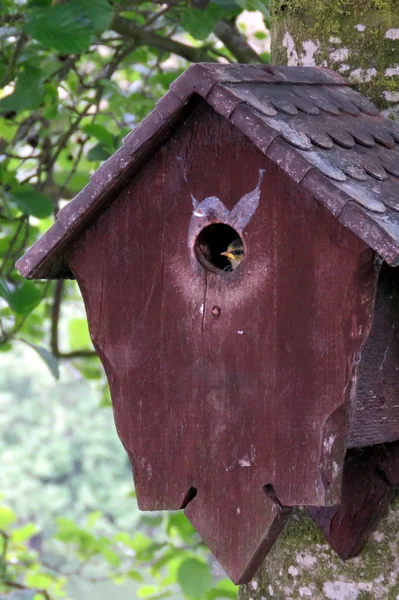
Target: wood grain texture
(369,479)
(366,494)
(254,393)
(376,413)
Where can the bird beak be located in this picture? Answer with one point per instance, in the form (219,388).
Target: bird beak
(229,255)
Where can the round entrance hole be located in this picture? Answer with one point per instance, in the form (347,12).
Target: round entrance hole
(215,239)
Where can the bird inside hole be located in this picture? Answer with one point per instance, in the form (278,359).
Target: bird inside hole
(234,253)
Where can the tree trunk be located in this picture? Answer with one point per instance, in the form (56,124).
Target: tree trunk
(357,38)
(360,40)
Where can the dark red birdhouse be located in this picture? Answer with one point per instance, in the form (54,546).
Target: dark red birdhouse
(236,258)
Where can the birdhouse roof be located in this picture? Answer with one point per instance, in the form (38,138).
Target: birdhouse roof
(326,136)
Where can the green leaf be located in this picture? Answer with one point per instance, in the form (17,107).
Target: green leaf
(28,92)
(140,543)
(79,336)
(50,101)
(223,9)
(99,152)
(89,367)
(76,183)
(7,517)
(165,559)
(22,298)
(223,589)
(99,12)
(92,518)
(41,3)
(5,347)
(194,578)
(110,556)
(48,358)
(69,28)
(197,23)
(7,128)
(39,580)
(134,575)
(60,28)
(24,533)
(128,14)
(254,5)
(230,5)
(100,133)
(178,522)
(146,590)
(31,202)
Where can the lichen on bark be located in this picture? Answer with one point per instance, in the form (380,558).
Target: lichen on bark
(301,565)
(357,38)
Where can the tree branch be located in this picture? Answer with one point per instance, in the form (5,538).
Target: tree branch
(236,43)
(9,73)
(55,319)
(55,316)
(19,586)
(149,38)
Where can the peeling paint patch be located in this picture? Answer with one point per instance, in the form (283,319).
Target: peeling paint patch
(392,34)
(392,71)
(244,462)
(240,332)
(201,309)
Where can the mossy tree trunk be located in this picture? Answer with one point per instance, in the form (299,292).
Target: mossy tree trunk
(357,38)
(360,40)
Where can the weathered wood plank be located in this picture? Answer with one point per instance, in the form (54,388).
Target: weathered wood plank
(376,411)
(227,382)
(366,494)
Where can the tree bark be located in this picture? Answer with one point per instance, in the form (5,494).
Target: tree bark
(357,38)
(360,40)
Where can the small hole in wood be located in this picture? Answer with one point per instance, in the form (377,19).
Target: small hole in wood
(270,492)
(192,492)
(219,248)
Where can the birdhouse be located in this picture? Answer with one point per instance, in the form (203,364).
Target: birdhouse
(237,258)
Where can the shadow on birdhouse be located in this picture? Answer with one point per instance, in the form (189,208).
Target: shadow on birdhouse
(267,197)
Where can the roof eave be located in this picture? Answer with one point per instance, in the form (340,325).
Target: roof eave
(207,81)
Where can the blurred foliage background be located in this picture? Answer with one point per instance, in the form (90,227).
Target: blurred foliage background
(76,77)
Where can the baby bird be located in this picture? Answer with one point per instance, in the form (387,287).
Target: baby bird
(235,253)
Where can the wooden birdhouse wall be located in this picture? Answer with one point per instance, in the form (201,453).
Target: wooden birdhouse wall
(223,383)
(376,410)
